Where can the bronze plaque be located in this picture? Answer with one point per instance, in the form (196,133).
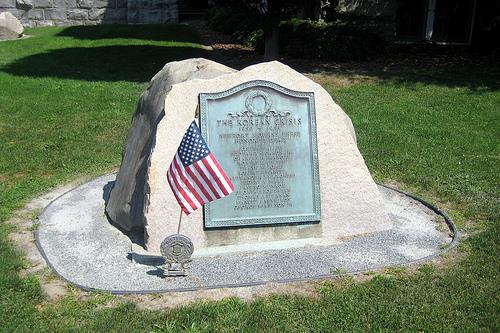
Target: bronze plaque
(264,137)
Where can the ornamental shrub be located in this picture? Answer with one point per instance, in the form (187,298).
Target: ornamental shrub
(299,38)
(235,20)
(330,41)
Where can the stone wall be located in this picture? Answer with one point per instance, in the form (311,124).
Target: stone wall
(36,13)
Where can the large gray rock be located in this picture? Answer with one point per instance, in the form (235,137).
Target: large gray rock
(351,204)
(10,27)
(128,197)
(141,198)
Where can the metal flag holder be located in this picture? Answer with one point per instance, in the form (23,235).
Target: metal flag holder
(177,250)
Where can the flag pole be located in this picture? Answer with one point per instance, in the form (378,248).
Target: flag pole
(179,225)
(197,112)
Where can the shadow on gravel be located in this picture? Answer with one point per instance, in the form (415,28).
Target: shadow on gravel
(143,259)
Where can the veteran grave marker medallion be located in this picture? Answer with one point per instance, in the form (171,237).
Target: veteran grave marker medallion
(264,136)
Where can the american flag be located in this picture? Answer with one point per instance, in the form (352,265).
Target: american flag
(194,175)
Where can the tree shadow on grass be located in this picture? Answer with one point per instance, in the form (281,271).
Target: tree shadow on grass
(477,79)
(134,63)
(138,63)
(410,65)
(153,32)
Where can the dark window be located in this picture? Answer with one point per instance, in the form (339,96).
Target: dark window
(452,20)
(410,19)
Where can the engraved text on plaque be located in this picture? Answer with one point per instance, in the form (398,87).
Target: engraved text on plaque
(264,137)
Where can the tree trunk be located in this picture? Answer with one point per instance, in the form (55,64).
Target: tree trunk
(271,38)
(312,9)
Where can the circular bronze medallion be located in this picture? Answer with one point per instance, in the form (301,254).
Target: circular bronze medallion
(176,248)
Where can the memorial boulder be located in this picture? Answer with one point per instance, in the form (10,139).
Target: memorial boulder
(289,150)
(126,204)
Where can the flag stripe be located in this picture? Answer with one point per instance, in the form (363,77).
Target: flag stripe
(181,172)
(201,170)
(202,187)
(182,188)
(194,175)
(210,167)
(182,202)
(227,182)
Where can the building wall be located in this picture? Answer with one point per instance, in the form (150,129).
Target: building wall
(36,13)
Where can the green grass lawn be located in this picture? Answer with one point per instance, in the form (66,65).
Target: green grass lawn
(66,99)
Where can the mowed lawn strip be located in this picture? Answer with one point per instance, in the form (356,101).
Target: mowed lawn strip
(66,99)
